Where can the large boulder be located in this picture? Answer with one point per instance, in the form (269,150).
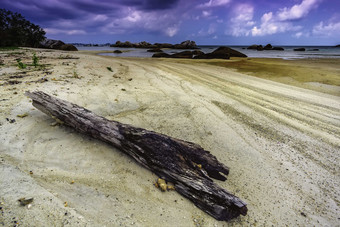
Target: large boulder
(213,56)
(160,55)
(51,44)
(221,53)
(188,44)
(57,45)
(197,52)
(155,50)
(163,45)
(183,54)
(120,44)
(255,47)
(268,47)
(231,52)
(68,47)
(142,44)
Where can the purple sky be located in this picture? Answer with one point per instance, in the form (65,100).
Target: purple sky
(230,22)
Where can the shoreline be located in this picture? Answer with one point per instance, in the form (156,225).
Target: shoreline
(280,141)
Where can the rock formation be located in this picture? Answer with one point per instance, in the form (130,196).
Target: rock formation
(56,44)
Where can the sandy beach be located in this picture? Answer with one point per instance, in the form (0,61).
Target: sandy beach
(274,122)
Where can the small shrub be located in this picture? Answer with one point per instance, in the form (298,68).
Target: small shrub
(75,75)
(110,69)
(21,65)
(8,48)
(35,60)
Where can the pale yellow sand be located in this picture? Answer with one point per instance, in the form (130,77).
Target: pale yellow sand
(281,143)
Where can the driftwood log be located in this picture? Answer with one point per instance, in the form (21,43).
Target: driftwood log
(187,165)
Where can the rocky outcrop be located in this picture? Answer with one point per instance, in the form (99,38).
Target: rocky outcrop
(300,49)
(231,52)
(155,50)
(183,45)
(197,52)
(161,55)
(57,45)
(183,54)
(337,45)
(260,47)
(219,53)
(213,56)
(268,47)
(186,45)
(255,47)
(68,47)
(163,45)
(117,52)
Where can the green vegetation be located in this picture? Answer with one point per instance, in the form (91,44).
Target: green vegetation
(75,75)
(15,31)
(35,60)
(110,69)
(20,64)
(8,48)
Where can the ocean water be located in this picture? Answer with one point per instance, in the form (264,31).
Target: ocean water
(288,53)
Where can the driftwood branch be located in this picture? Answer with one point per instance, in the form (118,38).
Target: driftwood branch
(187,165)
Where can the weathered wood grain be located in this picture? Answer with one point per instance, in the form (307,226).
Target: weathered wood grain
(187,165)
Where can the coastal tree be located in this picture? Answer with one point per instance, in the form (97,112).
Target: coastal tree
(15,30)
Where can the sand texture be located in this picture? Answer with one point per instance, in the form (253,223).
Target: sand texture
(280,140)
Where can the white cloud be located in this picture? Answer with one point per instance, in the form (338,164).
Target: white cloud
(100,18)
(330,29)
(53,31)
(214,3)
(297,11)
(136,20)
(298,34)
(171,31)
(206,13)
(242,20)
(270,25)
(281,21)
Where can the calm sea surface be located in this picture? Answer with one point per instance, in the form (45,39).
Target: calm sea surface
(288,53)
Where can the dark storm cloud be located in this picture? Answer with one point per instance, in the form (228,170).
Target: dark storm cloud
(189,18)
(159,4)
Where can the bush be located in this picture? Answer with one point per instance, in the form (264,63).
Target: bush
(15,30)
(21,65)
(35,60)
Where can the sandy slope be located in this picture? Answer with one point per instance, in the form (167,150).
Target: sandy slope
(281,143)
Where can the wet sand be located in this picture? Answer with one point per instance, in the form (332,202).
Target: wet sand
(278,133)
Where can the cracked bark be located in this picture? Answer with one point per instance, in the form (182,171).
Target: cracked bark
(187,165)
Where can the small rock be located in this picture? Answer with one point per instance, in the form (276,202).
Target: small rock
(24,201)
(10,120)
